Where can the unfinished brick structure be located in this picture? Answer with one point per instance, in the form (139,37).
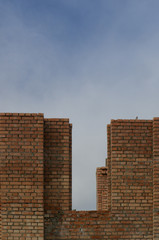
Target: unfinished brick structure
(36,162)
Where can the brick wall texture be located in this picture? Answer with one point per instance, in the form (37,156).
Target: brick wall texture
(21,158)
(102,188)
(36,181)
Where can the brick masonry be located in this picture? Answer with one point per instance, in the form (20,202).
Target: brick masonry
(21,158)
(102,188)
(36,181)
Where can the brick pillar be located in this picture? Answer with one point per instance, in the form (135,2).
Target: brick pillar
(21,159)
(132,179)
(58,165)
(102,188)
(0,200)
(156,179)
(108,164)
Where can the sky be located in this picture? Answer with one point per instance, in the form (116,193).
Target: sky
(87,60)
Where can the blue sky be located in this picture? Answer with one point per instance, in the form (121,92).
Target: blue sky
(87,60)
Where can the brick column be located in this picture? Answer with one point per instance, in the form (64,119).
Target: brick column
(156,179)
(21,159)
(58,165)
(108,164)
(132,179)
(102,188)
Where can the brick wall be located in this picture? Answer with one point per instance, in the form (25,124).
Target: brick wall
(108,164)
(130,184)
(36,179)
(57,165)
(132,178)
(79,225)
(156,179)
(102,188)
(58,169)
(21,158)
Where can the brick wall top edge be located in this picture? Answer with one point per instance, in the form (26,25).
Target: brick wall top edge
(131,120)
(57,119)
(101,168)
(21,114)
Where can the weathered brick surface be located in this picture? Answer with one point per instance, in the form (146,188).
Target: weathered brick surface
(156,179)
(36,180)
(58,165)
(108,164)
(79,225)
(102,188)
(130,185)
(132,178)
(21,158)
